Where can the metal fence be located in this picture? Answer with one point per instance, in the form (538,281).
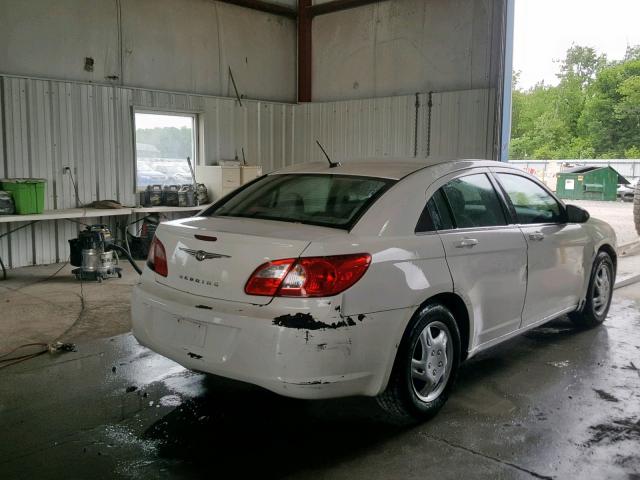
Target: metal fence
(628,168)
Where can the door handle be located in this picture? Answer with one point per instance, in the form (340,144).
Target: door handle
(536,236)
(466,243)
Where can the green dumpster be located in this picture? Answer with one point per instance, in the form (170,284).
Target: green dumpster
(589,183)
(28,193)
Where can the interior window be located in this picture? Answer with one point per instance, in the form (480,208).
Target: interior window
(163,143)
(533,204)
(474,202)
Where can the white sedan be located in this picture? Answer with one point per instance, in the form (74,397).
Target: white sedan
(372,278)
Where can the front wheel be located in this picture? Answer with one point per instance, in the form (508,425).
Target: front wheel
(599,293)
(425,368)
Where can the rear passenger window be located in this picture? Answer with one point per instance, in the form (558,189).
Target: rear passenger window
(474,202)
(435,215)
(442,217)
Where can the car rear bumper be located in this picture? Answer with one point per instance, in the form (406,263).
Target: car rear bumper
(313,352)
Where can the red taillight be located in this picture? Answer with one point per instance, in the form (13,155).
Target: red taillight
(309,276)
(266,279)
(157,258)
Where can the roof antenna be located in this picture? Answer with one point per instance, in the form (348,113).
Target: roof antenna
(331,164)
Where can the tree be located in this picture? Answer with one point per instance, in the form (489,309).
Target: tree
(578,71)
(170,141)
(593,112)
(633,152)
(611,116)
(632,53)
(582,64)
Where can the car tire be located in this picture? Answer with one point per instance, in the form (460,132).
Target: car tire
(599,292)
(407,399)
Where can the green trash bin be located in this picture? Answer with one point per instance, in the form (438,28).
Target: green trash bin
(28,194)
(589,183)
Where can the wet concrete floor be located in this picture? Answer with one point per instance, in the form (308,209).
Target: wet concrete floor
(553,403)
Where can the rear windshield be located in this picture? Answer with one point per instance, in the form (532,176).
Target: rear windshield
(327,200)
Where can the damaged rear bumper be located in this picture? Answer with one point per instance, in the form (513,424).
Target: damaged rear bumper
(301,348)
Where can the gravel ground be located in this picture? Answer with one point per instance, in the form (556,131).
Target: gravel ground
(618,214)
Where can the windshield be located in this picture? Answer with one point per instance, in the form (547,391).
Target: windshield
(327,200)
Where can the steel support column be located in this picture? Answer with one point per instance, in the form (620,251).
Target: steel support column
(304,15)
(507,79)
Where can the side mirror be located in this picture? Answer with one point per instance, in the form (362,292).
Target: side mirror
(576,214)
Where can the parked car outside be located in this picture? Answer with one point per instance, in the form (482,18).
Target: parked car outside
(371,278)
(147,175)
(626,192)
(177,171)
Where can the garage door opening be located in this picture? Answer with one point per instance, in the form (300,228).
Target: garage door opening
(576,103)
(576,80)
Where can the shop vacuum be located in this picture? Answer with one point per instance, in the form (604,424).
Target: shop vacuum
(96,255)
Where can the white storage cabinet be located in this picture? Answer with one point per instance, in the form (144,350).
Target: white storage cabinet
(223,179)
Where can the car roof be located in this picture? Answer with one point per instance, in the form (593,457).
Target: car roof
(392,168)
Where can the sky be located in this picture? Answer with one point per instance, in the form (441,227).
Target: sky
(545,29)
(152,120)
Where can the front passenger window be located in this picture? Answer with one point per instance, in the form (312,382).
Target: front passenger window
(532,203)
(474,202)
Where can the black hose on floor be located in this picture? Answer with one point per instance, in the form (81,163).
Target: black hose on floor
(124,252)
(4,270)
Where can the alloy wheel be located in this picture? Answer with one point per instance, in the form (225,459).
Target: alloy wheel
(601,289)
(431,361)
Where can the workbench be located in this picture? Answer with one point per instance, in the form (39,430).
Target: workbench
(82,213)
(93,213)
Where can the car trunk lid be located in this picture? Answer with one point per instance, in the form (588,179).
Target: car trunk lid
(214,257)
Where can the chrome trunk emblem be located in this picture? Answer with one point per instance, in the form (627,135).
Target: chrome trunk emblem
(201,255)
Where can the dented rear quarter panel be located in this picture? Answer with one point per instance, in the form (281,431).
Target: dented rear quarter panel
(404,271)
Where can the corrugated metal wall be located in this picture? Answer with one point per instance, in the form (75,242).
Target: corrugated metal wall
(462,125)
(47,125)
(379,127)
(456,125)
(263,129)
(4,246)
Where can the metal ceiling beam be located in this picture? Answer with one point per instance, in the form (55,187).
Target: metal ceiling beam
(267,7)
(313,10)
(304,51)
(337,5)
(304,15)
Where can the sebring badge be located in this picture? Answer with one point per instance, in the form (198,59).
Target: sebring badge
(201,255)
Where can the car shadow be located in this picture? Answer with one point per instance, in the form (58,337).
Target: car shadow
(525,348)
(243,430)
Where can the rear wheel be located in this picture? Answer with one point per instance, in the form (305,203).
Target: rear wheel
(599,293)
(425,368)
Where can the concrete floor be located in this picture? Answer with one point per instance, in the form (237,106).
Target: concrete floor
(553,403)
(618,214)
(46,303)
